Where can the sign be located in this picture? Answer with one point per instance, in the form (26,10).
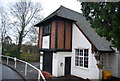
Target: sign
(45,42)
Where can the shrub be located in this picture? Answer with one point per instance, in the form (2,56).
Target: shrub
(30,57)
(14,53)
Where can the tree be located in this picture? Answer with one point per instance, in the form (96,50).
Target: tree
(105,18)
(4,24)
(33,36)
(24,13)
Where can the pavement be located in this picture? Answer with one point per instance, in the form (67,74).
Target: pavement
(20,68)
(8,74)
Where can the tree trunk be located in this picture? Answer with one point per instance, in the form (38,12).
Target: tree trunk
(21,38)
(20,44)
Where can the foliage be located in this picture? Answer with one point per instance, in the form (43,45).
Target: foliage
(29,48)
(105,18)
(30,57)
(10,50)
(28,52)
(14,53)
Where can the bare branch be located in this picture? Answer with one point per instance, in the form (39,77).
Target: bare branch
(24,12)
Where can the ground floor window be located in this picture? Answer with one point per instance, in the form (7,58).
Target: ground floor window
(81,57)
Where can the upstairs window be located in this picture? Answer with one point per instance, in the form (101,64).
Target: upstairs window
(46,29)
(81,57)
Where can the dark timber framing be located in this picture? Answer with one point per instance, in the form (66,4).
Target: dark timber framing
(64,33)
(55,50)
(71,37)
(42,36)
(56,34)
(50,35)
(39,38)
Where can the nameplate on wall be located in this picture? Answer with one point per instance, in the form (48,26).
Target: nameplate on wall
(45,42)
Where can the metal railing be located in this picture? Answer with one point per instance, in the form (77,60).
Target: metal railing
(40,75)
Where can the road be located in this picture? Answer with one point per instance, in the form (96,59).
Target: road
(8,73)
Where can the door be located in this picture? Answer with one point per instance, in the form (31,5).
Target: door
(47,61)
(67,65)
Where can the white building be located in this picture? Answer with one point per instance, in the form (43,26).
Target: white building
(70,46)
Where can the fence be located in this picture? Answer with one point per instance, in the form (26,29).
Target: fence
(24,67)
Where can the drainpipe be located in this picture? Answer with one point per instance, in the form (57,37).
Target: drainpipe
(0,56)
(100,70)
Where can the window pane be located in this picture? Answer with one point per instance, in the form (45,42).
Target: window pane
(81,61)
(49,28)
(85,52)
(81,52)
(86,61)
(76,61)
(77,52)
(46,29)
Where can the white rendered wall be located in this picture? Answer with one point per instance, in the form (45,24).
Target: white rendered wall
(58,58)
(114,64)
(79,41)
(111,62)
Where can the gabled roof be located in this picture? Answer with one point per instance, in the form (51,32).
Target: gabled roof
(99,42)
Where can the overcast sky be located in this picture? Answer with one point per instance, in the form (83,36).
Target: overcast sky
(50,5)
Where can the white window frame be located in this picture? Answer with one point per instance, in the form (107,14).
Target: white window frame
(82,56)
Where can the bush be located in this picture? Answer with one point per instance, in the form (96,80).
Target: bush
(30,57)
(14,53)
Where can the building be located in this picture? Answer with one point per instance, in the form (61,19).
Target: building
(70,46)
(8,40)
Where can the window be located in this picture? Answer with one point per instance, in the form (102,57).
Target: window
(46,29)
(81,57)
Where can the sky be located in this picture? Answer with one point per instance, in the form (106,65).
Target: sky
(48,6)
(51,5)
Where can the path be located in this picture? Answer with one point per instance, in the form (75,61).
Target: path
(8,73)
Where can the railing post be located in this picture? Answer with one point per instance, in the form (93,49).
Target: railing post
(0,58)
(38,76)
(15,61)
(7,60)
(25,68)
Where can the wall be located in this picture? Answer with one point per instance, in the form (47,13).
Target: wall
(60,36)
(111,62)
(114,61)
(68,36)
(59,58)
(79,41)
(53,34)
(60,41)
(64,35)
